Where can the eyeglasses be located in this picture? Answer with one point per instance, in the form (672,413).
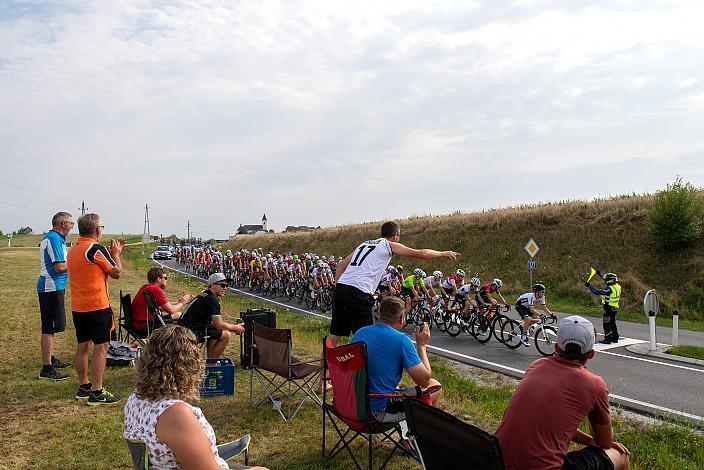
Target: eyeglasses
(165,278)
(68,222)
(102,227)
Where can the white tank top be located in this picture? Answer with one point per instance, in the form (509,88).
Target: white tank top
(368,264)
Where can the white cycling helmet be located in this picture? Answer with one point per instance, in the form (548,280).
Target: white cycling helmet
(391,270)
(497,283)
(475,282)
(419,272)
(460,272)
(437,274)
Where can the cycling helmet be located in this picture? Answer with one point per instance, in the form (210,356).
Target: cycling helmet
(610,278)
(399,268)
(391,270)
(497,283)
(475,282)
(229,252)
(295,256)
(437,274)
(538,288)
(460,273)
(324,258)
(419,272)
(296,261)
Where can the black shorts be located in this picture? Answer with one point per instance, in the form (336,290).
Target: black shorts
(523,311)
(406,292)
(447,290)
(51,308)
(589,458)
(209,331)
(351,310)
(93,326)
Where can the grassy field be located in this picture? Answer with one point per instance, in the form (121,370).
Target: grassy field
(694,352)
(43,427)
(608,234)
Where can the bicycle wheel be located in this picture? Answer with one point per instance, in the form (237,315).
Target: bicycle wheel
(511,334)
(496,324)
(424,317)
(480,328)
(310,300)
(437,314)
(545,339)
(452,326)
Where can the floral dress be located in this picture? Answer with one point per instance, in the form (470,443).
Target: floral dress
(141,417)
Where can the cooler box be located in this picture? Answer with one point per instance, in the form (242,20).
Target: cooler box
(219,378)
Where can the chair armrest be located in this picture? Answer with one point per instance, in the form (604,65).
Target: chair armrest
(311,361)
(234,448)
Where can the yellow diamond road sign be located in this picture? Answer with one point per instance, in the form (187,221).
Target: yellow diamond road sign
(532,248)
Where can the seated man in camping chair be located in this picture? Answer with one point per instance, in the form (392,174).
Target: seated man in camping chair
(142,320)
(390,352)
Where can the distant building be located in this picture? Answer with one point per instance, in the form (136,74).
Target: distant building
(253,229)
(300,228)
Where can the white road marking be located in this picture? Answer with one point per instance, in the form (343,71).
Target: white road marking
(621,342)
(495,364)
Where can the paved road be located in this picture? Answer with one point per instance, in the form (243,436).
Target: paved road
(647,384)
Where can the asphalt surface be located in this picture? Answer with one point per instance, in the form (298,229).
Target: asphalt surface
(642,383)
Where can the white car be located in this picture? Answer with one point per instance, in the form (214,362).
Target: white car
(162,252)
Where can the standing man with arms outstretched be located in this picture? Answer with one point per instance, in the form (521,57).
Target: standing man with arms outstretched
(358,276)
(89,265)
(50,288)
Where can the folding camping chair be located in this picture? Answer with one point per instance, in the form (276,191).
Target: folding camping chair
(281,375)
(125,327)
(428,430)
(139,451)
(153,311)
(347,367)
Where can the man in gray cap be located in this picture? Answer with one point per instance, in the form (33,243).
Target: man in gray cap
(559,392)
(205,319)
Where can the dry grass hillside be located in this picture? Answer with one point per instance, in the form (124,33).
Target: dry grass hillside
(609,234)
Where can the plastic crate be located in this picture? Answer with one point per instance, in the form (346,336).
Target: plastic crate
(219,378)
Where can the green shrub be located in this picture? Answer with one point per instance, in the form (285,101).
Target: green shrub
(677,216)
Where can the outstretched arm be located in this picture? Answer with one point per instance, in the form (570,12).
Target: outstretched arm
(425,253)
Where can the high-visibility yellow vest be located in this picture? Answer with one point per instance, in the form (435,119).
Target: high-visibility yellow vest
(614,297)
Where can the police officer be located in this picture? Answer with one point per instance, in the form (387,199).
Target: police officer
(610,297)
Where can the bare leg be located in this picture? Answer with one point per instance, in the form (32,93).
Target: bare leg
(81,362)
(97,365)
(217,347)
(47,345)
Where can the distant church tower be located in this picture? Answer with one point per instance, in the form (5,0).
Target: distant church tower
(264,223)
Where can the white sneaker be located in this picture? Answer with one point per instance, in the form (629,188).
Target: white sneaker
(525,342)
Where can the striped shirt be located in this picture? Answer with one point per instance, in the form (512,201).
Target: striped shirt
(52,249)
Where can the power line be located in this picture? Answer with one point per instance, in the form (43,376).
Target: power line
(26,207)
(56,195)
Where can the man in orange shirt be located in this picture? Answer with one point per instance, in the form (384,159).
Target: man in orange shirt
(89,265)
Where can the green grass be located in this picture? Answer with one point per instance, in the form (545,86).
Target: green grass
(44,427)
(695,352)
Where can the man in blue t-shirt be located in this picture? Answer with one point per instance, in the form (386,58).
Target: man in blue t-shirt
(390,351)
(51,284)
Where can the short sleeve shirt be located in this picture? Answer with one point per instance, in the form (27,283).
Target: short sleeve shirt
(52,249)
(139,304)
(528,300)
(390,352)
(202,311)
(88,265)
(558,395)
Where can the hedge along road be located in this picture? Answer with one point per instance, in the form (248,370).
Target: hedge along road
(650,385)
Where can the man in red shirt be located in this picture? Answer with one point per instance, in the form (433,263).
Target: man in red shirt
(157,284)
(551,401)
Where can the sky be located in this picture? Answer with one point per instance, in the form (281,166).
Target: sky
(336,112)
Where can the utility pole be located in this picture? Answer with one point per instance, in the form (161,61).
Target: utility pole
(188,238)
(83,208)
(145,235)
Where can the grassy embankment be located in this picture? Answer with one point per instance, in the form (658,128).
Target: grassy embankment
(695,352)
(608,234)
(44,427)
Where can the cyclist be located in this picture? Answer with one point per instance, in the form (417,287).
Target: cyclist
(484,297)
(451,284)
(431,283)
(388,281)
(412,286)
(524,307)
(464,295)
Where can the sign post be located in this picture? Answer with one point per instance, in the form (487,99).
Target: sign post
(532,250)
(9,240)
(651,307)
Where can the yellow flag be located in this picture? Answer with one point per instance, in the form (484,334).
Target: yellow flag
(592,272)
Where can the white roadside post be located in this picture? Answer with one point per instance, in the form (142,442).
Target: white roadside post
(9,240)
(651,308)
(675,327)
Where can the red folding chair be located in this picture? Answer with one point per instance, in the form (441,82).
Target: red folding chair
(349,413)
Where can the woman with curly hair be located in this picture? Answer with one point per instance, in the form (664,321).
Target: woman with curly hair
(168,373)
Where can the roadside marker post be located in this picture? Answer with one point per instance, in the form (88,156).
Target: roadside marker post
(675,327)
(651,308)
(532,249)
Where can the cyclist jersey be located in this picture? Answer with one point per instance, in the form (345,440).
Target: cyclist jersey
(412,281)
(451,281)
(387,279)
(528,300)
(431,281)
(367,265)
(485,292)
(464,290)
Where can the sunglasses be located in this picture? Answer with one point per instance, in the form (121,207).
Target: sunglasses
(224,286)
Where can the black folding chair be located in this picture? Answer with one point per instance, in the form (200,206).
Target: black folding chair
(139,452)
(126,329)
(154,318)
(428,430)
